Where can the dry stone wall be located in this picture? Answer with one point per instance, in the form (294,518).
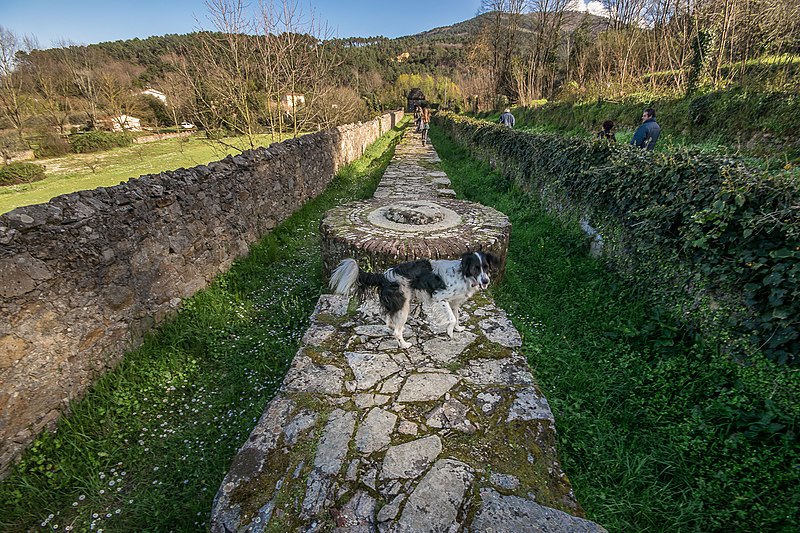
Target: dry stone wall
(83,276)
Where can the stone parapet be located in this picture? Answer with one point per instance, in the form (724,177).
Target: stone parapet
(448,435)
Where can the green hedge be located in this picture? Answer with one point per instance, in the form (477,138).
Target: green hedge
(716,242)
(97,141)
(16,173)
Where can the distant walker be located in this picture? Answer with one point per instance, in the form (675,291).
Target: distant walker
(507,119)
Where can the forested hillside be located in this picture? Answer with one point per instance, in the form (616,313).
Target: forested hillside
(238,76)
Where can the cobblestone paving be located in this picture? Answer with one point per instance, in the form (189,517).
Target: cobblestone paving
(448,435)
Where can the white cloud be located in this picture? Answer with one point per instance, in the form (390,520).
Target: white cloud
(592,6)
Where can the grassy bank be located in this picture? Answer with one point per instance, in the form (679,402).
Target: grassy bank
(146,449)
(76,172)
(657,432)
(753,123)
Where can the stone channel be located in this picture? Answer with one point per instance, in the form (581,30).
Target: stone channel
(448,435)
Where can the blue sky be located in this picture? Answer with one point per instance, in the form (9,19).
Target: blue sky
(93,21)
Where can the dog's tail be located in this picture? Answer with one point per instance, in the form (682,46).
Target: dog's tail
(348,276)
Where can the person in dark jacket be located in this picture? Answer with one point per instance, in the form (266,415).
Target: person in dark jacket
(606,133)
(647,133)
(507,119)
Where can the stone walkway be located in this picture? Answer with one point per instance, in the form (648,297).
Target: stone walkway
(446,436)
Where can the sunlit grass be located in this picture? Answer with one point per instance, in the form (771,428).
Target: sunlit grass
(75,172)
(148,446)
(657,432)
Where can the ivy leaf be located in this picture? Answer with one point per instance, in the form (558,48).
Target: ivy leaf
(783,253)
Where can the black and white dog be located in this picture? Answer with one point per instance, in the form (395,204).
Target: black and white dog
(443,283)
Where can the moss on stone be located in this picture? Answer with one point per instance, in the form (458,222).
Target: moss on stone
(504,447)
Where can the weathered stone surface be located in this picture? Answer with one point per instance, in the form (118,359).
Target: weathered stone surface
(497,372)
(426,387)
(488,401)
(370,368)
(333,304)
(502,331)
(530,405)
(445,351)
(389,511)
(317,334)
(435,503)
(411,459)
(357,516)
(366,400)
(373,330)
(512,514)
(303,421)
(451,414)
(375,432)
(328,460)
(504,481)
(304,375)
(249,463)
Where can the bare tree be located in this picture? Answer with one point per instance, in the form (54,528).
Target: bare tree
(178,93)
(501,35)
(14,103)
(240,74)
(116,92)
(84,65)
(50,83)
(535,73)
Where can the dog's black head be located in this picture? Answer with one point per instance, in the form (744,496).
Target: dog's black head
(475,267)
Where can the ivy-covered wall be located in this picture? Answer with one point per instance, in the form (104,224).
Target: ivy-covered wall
(712,241)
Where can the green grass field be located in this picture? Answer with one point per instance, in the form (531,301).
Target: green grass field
(76,172)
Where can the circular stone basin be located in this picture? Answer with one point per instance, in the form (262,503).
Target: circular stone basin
(405,213)
(379,233)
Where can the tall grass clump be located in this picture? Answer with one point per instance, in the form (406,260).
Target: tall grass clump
(658,430)
(147,447)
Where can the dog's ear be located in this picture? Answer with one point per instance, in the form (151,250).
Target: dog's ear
(492,260)
(468,259)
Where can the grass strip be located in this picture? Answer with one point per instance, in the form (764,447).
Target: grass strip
(77,172)
(147,447)
(658,432)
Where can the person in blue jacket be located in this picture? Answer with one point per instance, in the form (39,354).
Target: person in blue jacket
(647,133)
(507,119)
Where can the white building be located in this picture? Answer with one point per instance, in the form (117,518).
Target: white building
(155,94)
(291,101)
(126,123)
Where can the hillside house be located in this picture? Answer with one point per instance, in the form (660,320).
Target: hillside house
(291,101)
(126,123)
(155,94)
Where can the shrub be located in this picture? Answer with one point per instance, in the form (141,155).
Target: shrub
(97,141)
(16,173)
(706,236)
(51,144)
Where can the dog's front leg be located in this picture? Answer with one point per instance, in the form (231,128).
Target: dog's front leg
(455,308)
